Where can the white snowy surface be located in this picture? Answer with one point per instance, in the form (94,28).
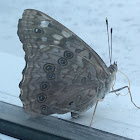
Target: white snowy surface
(87,19)
(5,137)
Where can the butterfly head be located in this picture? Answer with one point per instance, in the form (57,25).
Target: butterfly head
(113,67)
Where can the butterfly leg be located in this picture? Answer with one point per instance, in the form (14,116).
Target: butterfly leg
(101,100)
(94,113)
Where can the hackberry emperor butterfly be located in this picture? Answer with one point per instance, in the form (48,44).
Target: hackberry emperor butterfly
(62,73)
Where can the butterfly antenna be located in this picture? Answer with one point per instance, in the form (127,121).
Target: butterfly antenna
(108,40)
(111,30)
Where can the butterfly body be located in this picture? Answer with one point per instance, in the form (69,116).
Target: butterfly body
(62,73)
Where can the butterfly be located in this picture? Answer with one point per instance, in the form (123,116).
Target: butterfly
(62,73)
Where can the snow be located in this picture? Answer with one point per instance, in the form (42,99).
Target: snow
(4,137)
(87,19)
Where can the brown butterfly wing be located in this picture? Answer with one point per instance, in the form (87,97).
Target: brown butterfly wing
(68,88)
(37,29)
(54,82)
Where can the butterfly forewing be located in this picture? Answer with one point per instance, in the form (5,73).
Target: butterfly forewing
(37,30)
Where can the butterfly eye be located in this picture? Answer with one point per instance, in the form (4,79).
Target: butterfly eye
(49,67)
(62,61)
(38,31)
(41,98)
(68,55)
(50,76)
(44,86)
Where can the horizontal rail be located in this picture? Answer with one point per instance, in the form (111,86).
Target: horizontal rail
(16,123)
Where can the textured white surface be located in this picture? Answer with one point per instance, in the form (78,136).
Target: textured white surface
(87,19)
(5,137)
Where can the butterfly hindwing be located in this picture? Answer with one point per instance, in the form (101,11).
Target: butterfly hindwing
(59,80)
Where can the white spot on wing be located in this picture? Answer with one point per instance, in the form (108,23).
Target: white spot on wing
(57,37)
(66,34)
(42,46)
(67,44)
(75,67)
(80,62)
(44,23)
(44,39)
(56,42)
(55,50)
